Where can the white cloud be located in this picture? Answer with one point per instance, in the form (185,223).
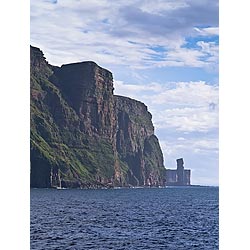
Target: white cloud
(197,94)
(188,57)
(181,139)
(121,32)
(179,93)
(160,6)
(183,106)
(189,145)
(135,90)
(210,31)
(187,119)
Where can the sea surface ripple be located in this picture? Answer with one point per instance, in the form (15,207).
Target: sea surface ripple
(147,218)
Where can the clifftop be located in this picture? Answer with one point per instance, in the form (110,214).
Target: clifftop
(82,135)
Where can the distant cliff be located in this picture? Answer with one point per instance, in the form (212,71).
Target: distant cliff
(82,135)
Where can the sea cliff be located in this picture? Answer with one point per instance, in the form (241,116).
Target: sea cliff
(84,136)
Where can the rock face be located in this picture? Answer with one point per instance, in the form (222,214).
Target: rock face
(82,135)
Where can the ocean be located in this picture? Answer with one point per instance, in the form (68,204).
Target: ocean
(128,218)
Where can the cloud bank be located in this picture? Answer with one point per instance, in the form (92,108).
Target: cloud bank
(137,34)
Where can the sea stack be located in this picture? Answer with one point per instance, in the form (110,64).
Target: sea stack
(178,177)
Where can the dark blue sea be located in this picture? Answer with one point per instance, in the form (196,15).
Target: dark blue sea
(146,218)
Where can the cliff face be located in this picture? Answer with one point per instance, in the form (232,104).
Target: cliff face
(84,136)
(136,143)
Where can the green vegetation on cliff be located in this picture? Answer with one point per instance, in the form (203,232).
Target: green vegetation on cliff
(84,136)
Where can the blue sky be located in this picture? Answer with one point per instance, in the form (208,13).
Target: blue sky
(161,52)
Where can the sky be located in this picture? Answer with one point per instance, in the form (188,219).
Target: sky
(162,52)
